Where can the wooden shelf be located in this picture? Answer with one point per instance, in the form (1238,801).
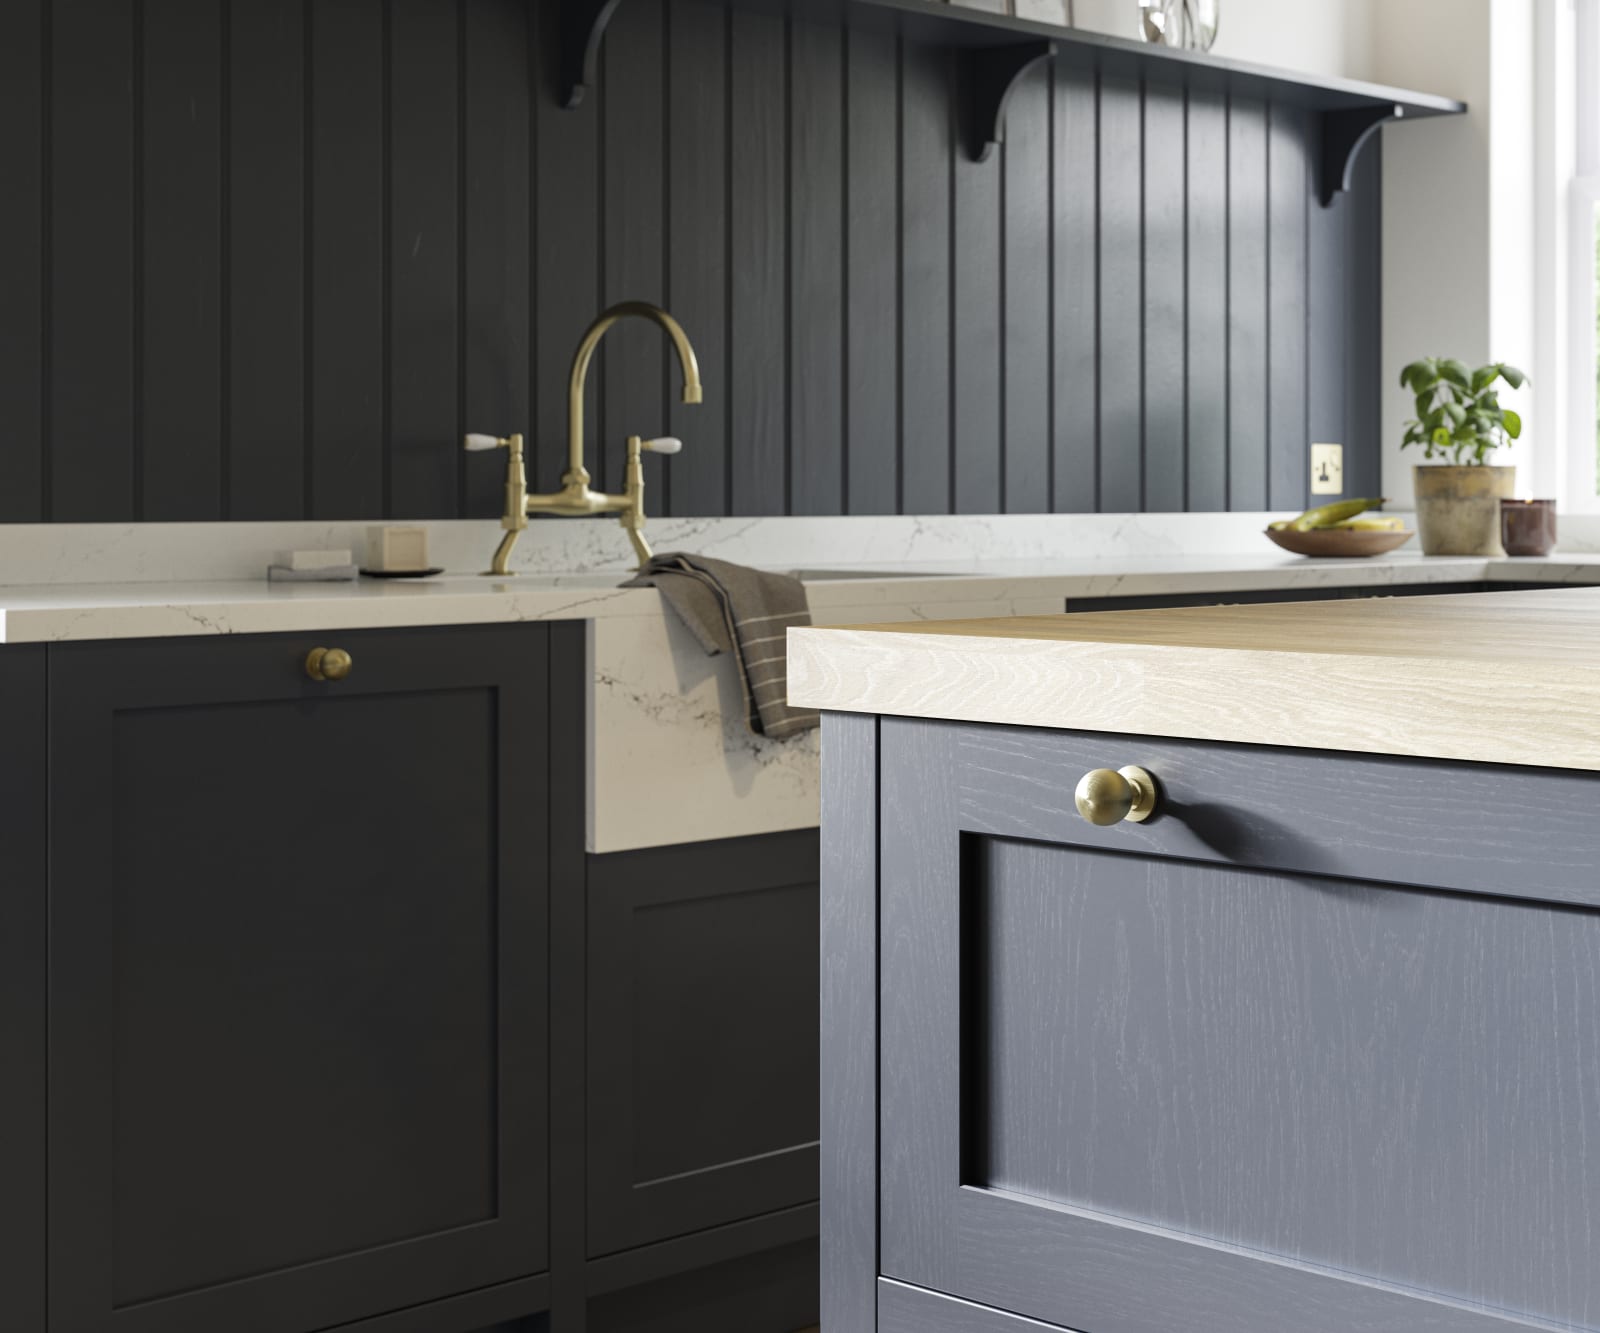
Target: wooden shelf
(998,51)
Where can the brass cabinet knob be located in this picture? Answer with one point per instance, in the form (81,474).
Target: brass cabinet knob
(1108,796)
(328,664)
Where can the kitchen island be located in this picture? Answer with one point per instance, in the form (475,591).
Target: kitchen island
(1313,1047)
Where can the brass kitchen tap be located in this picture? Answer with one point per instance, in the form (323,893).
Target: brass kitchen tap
(575,499)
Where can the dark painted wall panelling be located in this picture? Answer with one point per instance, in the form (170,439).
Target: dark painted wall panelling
(264,259)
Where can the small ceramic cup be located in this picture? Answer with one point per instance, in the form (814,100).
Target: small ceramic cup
(1528,527)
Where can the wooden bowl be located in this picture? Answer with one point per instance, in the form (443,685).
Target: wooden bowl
(1339,542)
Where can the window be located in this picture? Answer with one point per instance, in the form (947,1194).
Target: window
(1584,387)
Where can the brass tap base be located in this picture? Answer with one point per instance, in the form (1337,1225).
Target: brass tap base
(500,566)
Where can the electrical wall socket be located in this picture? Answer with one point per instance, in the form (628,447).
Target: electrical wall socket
(1327,469)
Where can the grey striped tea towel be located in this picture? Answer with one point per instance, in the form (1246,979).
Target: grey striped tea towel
(748,612)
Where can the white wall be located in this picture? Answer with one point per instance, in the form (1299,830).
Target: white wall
(1328,37)
(1459,241)
(1436,205)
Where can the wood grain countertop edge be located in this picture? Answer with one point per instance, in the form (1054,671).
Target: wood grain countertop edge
(1423,705)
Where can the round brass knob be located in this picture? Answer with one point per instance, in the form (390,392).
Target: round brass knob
(1108,796)
(328,664)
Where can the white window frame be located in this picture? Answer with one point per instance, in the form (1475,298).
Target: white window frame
(1582,490)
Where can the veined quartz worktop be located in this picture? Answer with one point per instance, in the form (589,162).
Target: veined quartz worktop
(928,589)
(57,613)
(1506,678)
(657,705)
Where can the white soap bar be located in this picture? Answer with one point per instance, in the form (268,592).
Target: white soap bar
(397,549)
(298,560)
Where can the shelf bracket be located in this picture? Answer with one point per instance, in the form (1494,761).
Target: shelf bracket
(1344,135)
(991,75)
(583,24)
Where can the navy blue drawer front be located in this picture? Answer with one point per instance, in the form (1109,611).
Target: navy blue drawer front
(1296,1053)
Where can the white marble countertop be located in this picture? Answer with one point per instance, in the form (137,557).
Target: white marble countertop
(1151,575)
(60,612)
(65,611)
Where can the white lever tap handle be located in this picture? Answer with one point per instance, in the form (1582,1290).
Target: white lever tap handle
(478,443)
(665,445)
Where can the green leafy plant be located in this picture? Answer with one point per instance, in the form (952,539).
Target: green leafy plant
(1459,416)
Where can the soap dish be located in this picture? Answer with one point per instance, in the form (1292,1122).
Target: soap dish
(402,573)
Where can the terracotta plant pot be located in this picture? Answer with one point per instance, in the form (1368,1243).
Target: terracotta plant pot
(1458,508)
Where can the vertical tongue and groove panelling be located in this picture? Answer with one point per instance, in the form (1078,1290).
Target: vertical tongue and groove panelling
(267,260)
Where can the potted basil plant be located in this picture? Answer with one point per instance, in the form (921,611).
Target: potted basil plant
(1460,419)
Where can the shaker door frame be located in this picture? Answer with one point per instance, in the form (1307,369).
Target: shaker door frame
(24,1025)
(625,1212)
(943,783)
(90,684)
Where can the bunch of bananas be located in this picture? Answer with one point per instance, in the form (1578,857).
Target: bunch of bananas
(1350,515)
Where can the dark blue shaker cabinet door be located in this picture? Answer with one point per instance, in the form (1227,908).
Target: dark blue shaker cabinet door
(297,978)
(1318,1048)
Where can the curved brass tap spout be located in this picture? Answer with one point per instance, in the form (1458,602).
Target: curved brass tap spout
(575,499)
(577,474)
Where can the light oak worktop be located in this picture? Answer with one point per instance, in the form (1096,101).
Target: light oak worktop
(1510,678)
